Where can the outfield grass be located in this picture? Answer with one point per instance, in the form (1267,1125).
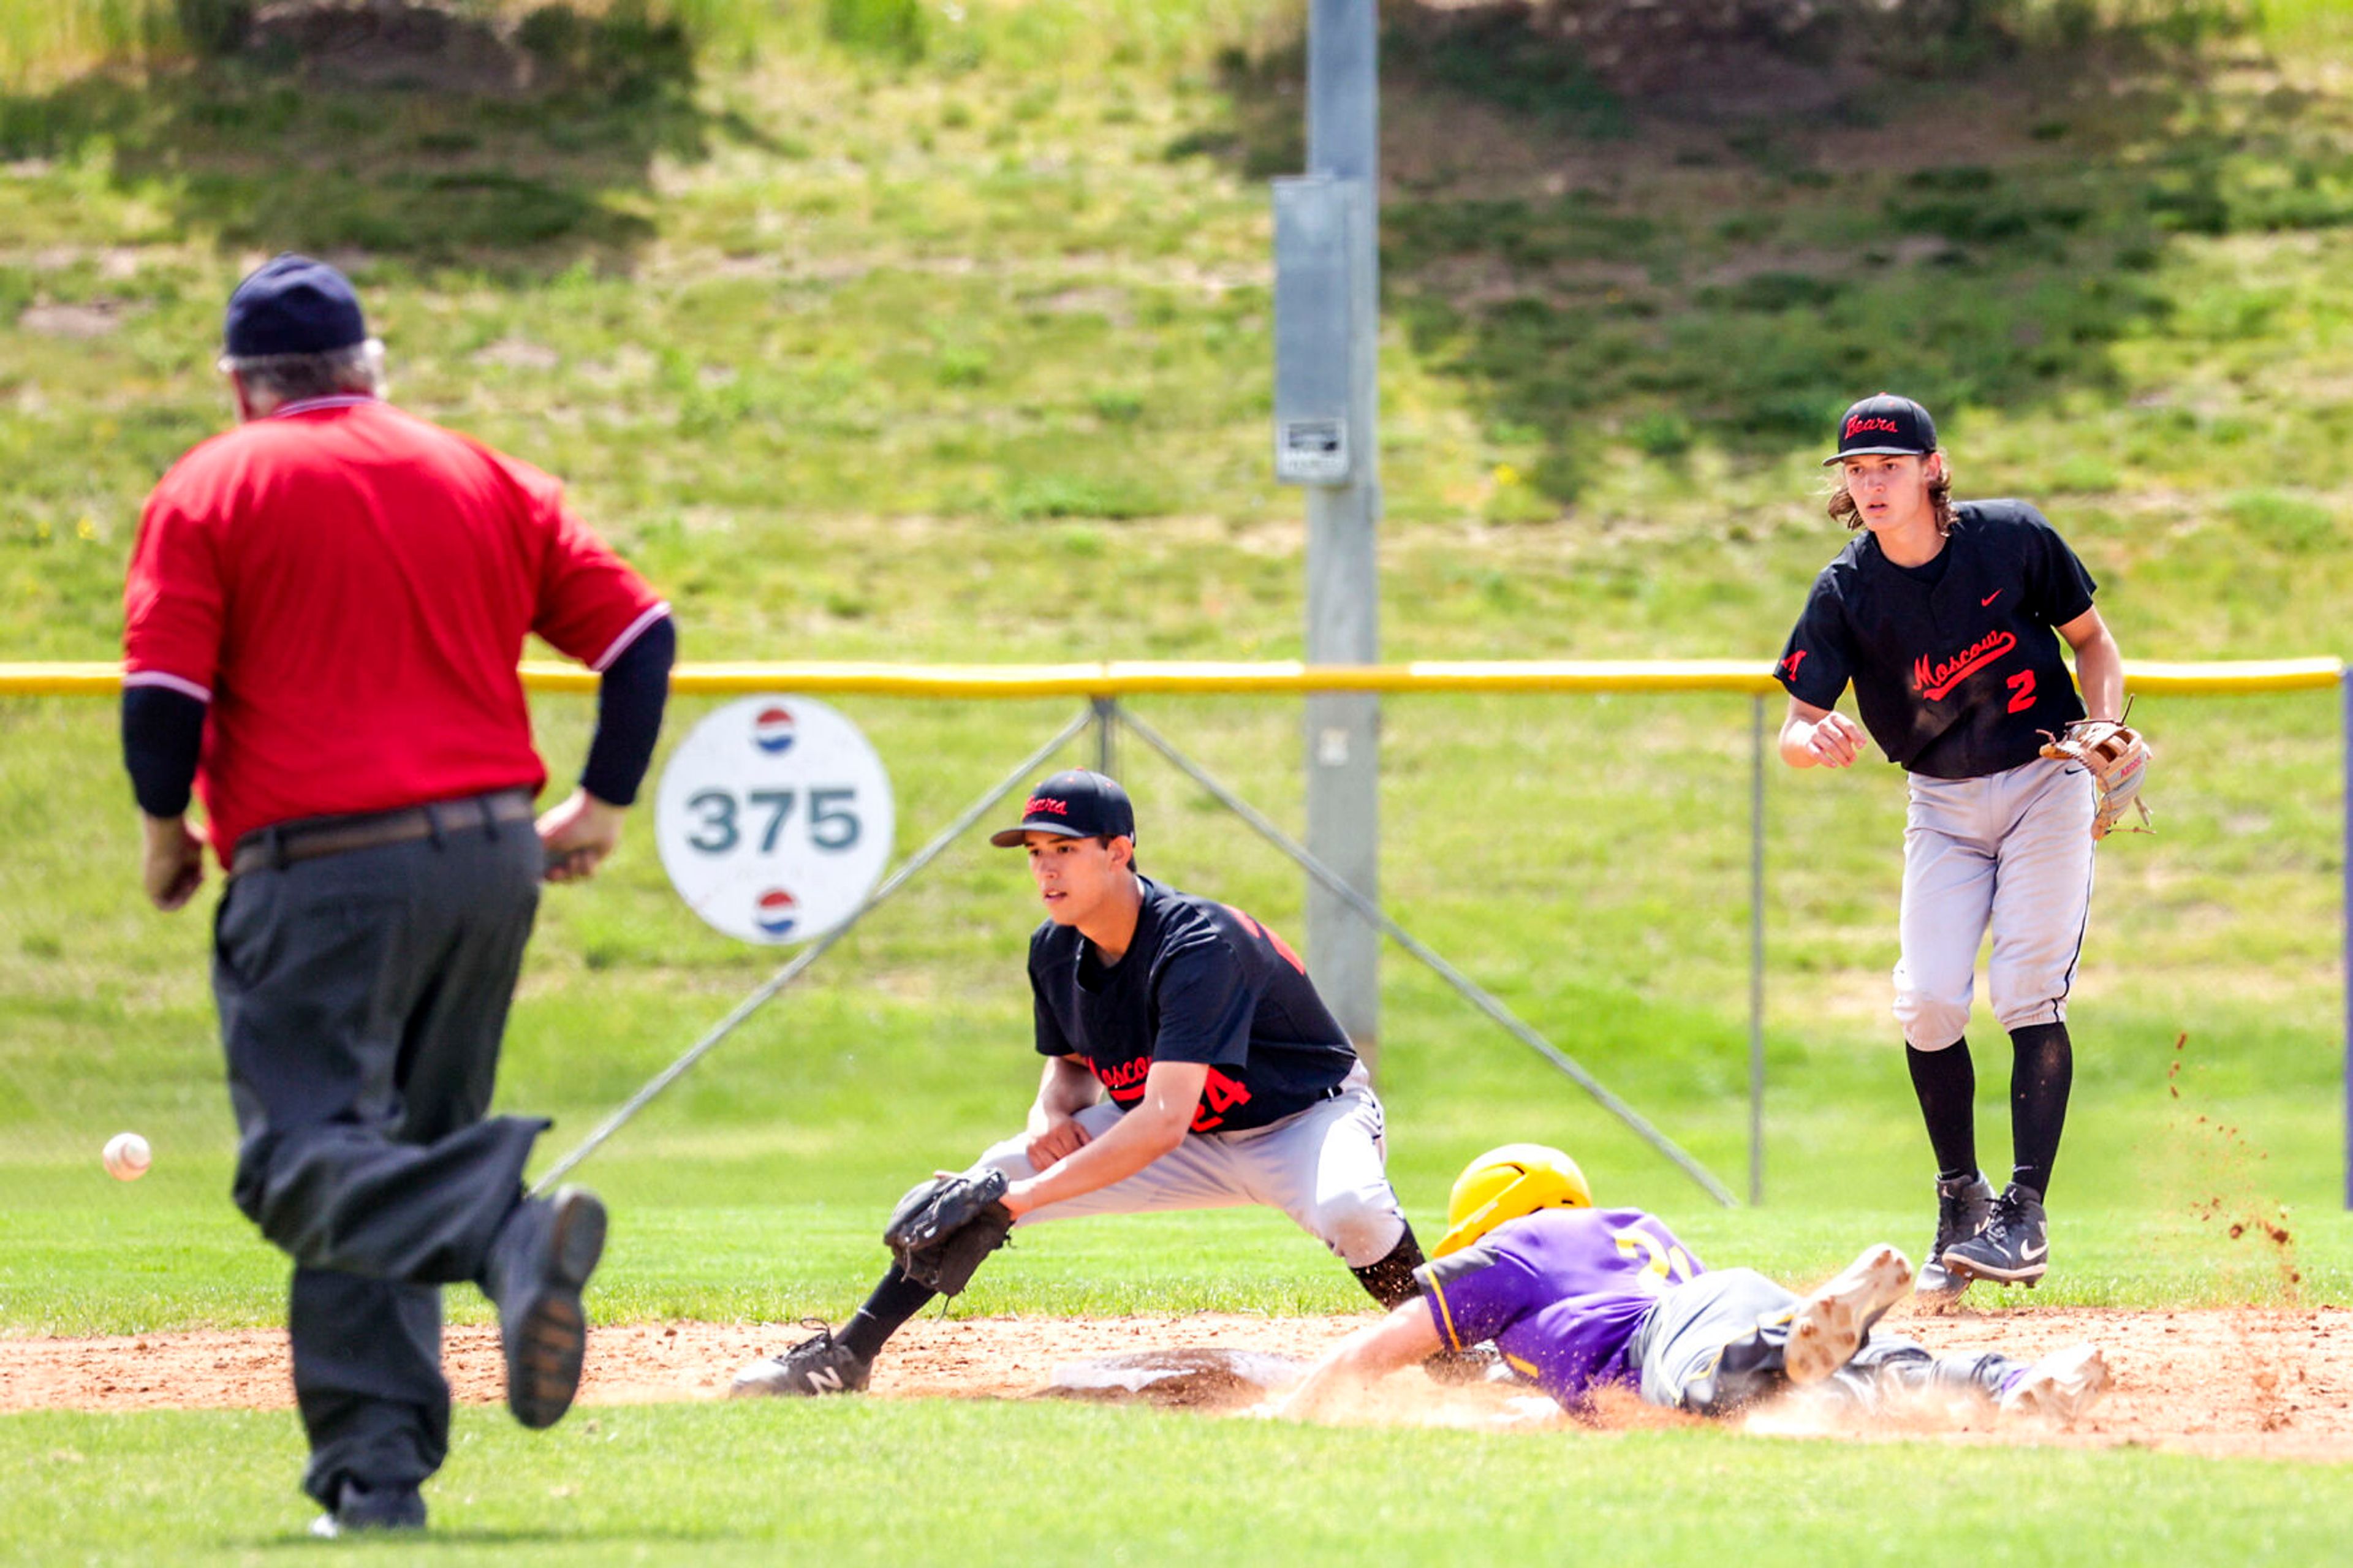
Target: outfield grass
(959,351)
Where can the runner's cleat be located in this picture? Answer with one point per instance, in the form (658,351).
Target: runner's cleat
(2060,1386)
(1832,1324)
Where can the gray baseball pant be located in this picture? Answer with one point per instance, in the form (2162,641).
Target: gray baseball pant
(1325,1166)
(2011,852)
(1718,1342)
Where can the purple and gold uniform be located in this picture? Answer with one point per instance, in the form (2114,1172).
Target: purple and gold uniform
(1580,1299)
(1561,1292)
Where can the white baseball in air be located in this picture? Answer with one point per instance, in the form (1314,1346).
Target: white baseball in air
(773,817)
(128,1156)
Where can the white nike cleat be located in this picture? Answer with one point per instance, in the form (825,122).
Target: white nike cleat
(2060,1386)
(1830,1325)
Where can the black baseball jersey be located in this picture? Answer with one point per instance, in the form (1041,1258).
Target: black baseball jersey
(1954,664)
(1202,982)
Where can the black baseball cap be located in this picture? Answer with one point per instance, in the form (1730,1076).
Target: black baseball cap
(1884,427)
(1075,803)
(292,305)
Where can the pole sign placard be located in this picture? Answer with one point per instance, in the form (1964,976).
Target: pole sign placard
(1314,331)
(774,819)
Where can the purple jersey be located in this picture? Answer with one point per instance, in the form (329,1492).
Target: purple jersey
(1561,1291)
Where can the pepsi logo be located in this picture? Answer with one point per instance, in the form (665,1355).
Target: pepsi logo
(773,729)
(777,912)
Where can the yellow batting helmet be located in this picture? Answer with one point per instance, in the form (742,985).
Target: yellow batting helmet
(1506,1183)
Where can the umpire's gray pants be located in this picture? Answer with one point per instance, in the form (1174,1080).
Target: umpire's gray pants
(2013,851)
(1718,1342)
(362,997)
(1324,1166)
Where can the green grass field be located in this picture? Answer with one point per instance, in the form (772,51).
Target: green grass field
(954,346)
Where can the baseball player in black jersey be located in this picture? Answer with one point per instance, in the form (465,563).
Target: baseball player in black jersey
(1947,619)
(1189,1065)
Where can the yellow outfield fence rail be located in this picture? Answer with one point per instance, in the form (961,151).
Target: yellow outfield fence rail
(1271,678)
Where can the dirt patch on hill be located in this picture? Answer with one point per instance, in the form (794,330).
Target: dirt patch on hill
(2237,1382)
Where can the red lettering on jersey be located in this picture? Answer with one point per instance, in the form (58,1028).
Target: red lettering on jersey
(1935,681)
(1124,1080)
(1267,935)
(1219,1094)
(2021,686)
(1790,665)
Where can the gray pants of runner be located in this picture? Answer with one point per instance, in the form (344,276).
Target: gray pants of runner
(1718,1342)
(362,997)
(1325,1166)
(2011,852)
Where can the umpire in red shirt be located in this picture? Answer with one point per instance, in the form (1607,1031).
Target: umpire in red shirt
(324,616)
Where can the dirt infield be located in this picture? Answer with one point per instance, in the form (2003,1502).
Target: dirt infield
(2237,1382)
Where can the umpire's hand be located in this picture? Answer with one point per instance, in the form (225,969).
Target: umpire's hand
(578,834)
(172,863)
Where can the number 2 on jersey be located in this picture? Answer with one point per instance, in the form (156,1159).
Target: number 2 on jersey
(2021,692)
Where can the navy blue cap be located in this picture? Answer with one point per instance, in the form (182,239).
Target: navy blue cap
(1884,427)
(1075,803)
(292,305)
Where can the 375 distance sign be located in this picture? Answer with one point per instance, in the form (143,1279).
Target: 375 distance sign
(773,818)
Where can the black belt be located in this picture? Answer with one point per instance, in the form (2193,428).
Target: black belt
(282,844)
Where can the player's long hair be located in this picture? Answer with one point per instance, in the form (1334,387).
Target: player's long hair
(1842,509)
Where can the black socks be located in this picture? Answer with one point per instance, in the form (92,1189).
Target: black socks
(1946,1083)
(1391,1280)
(2042,1072)
(894,1301)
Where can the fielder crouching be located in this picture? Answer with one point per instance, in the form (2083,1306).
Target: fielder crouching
(1189,1065)
(1577,1300)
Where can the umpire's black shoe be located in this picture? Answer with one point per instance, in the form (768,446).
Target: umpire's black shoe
(540,1259)
(360,1508)
(813,1367)
(2014,1247)
(1964,1203)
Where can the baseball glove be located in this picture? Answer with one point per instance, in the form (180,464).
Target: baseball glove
(943,1228)
(2116,758)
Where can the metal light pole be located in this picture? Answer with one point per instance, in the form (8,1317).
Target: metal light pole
(1327,328)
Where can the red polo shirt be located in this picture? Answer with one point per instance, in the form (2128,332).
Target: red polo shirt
(348,587)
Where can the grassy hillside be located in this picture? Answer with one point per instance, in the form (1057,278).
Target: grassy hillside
(960,351)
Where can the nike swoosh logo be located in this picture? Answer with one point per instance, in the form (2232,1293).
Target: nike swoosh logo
(2035,1254)
(1989,598)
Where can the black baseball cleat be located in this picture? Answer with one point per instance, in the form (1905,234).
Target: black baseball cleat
(814,1367)
(368,1510)
(2014,1247)
(539,1263)
(1963,1205)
